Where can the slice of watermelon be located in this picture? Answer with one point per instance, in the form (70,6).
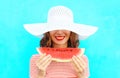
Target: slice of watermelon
(61,54)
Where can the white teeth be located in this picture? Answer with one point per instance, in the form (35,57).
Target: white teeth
(59,37)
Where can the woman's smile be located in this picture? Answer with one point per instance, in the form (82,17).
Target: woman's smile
(59,38)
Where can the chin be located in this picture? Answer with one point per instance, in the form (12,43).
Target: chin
(60,43)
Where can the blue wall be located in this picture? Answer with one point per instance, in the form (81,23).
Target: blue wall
(17,46)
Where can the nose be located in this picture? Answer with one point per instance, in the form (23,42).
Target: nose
(59,32)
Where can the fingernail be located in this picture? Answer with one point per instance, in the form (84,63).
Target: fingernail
(73,56)
(49,55)
(78,56)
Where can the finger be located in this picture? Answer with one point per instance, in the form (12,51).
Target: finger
(75,67)
(41,64)
(81,65)
(38,61)
(81,62)
(44,60)
(79,69)
(47,62)
(41,57)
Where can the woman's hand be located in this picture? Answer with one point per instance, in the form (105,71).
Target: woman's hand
(80,66)
(42,64)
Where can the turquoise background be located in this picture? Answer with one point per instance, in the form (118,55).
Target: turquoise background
(17,46)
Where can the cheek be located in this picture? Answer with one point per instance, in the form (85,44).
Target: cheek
(68,34)
(52,36)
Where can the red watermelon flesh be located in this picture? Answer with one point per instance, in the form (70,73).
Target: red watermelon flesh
(61,54)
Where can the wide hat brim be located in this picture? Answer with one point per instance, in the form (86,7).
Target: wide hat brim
(38,29)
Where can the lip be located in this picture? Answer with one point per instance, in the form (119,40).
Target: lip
(59,38)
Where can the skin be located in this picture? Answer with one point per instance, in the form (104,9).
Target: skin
(79,65)
(42,64)
(60,38)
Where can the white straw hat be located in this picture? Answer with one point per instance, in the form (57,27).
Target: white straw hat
(59,18)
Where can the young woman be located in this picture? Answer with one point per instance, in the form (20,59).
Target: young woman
(59,32)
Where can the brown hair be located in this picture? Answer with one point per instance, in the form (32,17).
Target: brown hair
(73,41)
